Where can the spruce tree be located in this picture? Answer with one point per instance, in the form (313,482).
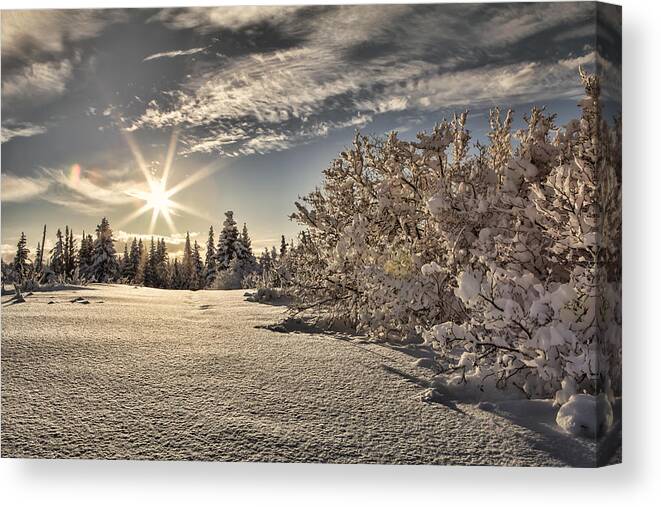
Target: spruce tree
(65,254)
(85,256)
(227,242)
(244,253)
(283,246)
(57,261)
(149,277)
(21,260)
(69,253)
(38,255)
(198,268)
(210,260)
(186,267)
(126,268)
(177,280)
(161,264)
(134,261)
(104,262)
(265,260)
(72,253)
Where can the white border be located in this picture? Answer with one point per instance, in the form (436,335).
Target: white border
(636,482)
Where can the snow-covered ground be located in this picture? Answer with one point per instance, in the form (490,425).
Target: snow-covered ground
(139,373)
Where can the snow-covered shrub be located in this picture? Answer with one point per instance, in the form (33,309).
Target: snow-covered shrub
(268,295)
(506,259)
(230,278)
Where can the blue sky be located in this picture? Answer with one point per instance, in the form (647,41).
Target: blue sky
(259,99)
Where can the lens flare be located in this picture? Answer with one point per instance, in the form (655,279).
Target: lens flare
(74,175)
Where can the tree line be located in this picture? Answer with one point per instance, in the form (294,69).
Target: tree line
(228,264)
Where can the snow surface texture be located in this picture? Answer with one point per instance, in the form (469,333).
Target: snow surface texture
(179,375)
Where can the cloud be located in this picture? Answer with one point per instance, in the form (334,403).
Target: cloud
(209,19)
(173,54)
(173,239)
(488,86)
(93,192)
(21,189)
(26,33)
(10,130)
(7,252)
(40,50)
(353,62)
(40,81)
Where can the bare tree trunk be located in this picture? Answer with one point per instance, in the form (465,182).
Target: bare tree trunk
(41,254)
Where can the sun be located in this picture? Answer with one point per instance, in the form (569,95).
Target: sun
(157,198)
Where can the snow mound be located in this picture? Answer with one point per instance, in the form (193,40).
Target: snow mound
(425,362)
(267,295)
(586,415)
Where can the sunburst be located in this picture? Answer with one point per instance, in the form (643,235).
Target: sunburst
(157,198)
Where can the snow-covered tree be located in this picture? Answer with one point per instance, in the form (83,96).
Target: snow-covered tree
(227,242)
(509,253)
(22,266)
(38,255)
(162,261)
(283,246)
(104,266)
(57,255)
(133,262)
(86,256)
(69,254)
(150,268)
(187,270)
(125,267)
(143,259)
(197,278)
(244,252)
(210,260)
(178,278)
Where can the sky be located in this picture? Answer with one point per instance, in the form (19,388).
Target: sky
(244,107)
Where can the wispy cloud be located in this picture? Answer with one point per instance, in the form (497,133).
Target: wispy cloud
(11,129)
(174,54)
(21,189)
(37,81)
(354,60)
(49,31)
(90,192)
(209,19)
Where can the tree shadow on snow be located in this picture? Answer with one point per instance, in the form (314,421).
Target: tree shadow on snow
(539,417)
(311,326)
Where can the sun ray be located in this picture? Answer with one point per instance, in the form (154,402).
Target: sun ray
(157,197)
(135,214)
(170,156)
(152,224)
(189,210)
(168,219)
(137,155)
(193,178)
